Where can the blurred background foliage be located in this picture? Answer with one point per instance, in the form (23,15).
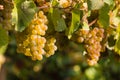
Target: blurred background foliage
(68,64)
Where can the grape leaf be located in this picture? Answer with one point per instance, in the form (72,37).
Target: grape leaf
(115,17)
(117,44)
(103,16)
(23,12)
(58,21)
(3,40)
(74,23)
(50,23)
(54,2)
(109,2)
(95,4)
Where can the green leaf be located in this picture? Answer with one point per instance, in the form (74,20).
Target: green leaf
(23,12)
(3,40)
(103,16)
(116,18)
(109,2)
(54,2)
(58,21)
(50,24)
(117,44)
(95,4)
(74,23)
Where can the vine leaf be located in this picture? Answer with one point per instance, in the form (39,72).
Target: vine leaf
(3,40)
(103,16)
(95,4)
(117,44)
(54,2)
(23,12)
(50,23)
(58,21)
(74,23)
(109,2)
(115,17)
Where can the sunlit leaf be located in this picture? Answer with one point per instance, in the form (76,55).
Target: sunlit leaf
(58,21)
(95,4)
(23,12)
(103,16)
(54,2)
(74,23)
(115,17)
(117,44)
(109,2)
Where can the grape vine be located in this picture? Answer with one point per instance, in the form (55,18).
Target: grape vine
(41,25)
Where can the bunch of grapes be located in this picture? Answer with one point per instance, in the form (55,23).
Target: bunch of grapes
(5,13)
(92,40)
(50,46)
(31,41)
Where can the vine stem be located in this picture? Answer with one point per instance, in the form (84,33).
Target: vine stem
(93,22)
(43,7)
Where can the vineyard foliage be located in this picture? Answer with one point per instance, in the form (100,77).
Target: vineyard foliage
(44,27)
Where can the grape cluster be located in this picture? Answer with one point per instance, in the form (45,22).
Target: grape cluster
(50,46)
(92,40)
(31,41)
(5,13)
